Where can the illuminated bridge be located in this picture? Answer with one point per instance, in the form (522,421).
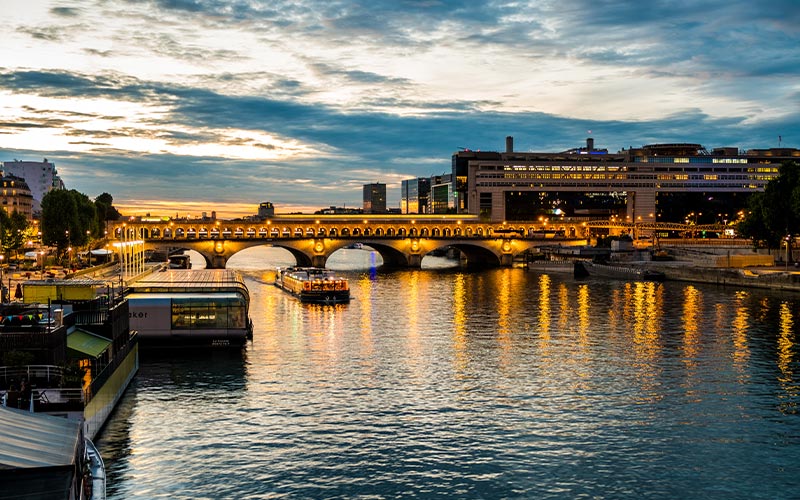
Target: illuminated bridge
(402,241)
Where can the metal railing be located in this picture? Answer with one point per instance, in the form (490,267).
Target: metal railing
(31,372)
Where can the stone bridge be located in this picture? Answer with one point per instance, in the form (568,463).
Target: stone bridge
(402,241)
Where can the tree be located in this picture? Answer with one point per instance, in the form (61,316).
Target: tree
(68,217)
(59,214)
(13,231)
(775,213)
(104,205)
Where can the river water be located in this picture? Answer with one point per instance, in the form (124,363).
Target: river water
(500,383)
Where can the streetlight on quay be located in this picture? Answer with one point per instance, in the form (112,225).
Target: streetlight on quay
(69,246)
(88,248)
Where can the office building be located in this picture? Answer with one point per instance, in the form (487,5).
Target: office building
(414,195)
(375,198)
(442,200)
(657,182)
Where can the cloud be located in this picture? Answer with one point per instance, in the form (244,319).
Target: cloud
(65,11)
(47,34)
(175,99)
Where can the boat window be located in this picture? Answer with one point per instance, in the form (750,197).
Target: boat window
(211,313)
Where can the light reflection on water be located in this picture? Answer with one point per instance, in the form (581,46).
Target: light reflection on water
(493,384)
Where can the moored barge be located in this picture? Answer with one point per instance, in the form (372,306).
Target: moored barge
(589,268)
(313,284)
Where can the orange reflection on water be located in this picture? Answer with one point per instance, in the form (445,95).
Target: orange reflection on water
(583,312)
(692,303)
(365,291)
(545,284)
(506,278)
(642,304)
(741,325)
(786,352)
(323,322)
(460,322)
(564,307)
(411,305)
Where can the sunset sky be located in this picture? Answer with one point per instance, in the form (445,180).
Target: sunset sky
(183,106)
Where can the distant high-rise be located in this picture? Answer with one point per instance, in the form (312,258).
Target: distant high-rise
(40,176)
(414,195)
(441,200)
(375,198)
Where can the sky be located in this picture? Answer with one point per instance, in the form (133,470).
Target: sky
(177,107)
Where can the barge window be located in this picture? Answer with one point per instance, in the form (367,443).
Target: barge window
(210,313)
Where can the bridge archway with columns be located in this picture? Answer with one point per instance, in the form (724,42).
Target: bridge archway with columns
(402,241)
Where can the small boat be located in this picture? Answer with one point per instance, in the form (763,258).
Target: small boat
(313,284)
(588,268)
(180,261)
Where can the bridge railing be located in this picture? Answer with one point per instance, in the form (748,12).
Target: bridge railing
(436,230)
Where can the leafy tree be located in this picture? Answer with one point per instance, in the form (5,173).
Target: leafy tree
(775,213)
(86,220)
(13,231)
(105,211)
(59,215)
(68,219)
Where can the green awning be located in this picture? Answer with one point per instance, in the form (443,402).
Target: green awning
(87,343)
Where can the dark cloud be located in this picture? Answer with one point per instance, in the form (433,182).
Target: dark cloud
(33,122)
(65,11)
(98,53)
(357,76)
(66,84)
(47,34)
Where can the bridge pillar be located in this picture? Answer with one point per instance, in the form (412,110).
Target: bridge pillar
(415,257)
(506,257)
(415,260)
(318,260)
(217,262)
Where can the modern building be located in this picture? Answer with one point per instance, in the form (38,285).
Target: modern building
(657,182)
(414,195)
(375,198)
(16,195)
(441,199)
(41,177)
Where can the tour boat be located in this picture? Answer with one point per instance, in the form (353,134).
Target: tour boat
(313,284)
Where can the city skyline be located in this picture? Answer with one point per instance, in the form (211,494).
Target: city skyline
(194,106)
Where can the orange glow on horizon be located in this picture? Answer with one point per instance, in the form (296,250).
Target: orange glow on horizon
(195,209)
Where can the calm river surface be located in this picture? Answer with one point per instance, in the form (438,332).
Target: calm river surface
(499,383)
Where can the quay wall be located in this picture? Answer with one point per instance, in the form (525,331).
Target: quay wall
(756,278)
